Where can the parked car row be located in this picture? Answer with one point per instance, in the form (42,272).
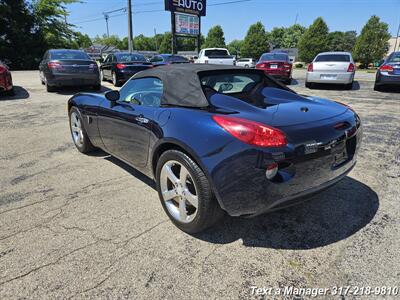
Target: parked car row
(62,67)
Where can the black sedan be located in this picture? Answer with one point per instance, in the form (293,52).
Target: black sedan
(168,59)
(388,73)
(219,139)
(63,67)
(120,66)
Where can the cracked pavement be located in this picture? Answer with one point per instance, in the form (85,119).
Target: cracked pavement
(77,226)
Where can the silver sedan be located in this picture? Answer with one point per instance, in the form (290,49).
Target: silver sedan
(331,68)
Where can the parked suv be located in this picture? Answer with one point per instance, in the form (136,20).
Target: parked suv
(246,62)
(331,68)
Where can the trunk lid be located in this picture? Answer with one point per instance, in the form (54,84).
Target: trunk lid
(280,108)
(73,66)
(331,66)
(137,66)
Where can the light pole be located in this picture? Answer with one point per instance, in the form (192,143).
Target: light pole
(106,17)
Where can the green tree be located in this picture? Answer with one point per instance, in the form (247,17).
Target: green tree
(145,43)
(215,38)
(292,36)
(235,46)
(314,40)
(255,42)
(112,40)
(372,43)
(21,40)
(81,41)
(166,43)
(342,41)
(51,16)
(276,37)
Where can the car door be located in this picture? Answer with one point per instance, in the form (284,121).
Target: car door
(125,126)
(107,67)
(43,66)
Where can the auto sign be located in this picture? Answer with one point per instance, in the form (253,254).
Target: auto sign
(194,7)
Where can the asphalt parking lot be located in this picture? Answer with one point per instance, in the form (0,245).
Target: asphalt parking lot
(77,226)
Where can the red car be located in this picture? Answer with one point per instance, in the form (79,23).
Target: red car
(6,84)
(277,65)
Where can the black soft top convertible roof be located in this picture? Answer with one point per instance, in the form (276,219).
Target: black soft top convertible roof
(181,82)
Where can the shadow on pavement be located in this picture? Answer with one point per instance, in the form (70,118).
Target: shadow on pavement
(145,179)
(335,87)
(74,90)
(390,89)
(19,94)
(329,217)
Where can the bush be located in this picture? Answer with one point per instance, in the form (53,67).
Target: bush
(298,65)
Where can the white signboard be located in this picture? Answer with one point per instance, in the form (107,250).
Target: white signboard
(187,24)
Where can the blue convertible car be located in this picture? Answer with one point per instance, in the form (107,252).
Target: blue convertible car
(219,139)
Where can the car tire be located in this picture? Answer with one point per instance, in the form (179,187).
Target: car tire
(80,139)
(196,186)
(10,93)
(349,86)
(309,85)
(288,81)
(377,87)
(246,66)
(97,87)
(115,81)
(49,88)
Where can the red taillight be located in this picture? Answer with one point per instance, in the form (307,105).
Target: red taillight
(252,133)
(386,68)
(55,65)
(351,68)
(121,66)
(287,66)
(262,66)
(310,68)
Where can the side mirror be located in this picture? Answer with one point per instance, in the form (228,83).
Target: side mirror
(112,96)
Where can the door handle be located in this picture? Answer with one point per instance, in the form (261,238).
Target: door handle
(142,120)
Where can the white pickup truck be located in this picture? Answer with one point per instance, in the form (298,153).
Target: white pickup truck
(216,56)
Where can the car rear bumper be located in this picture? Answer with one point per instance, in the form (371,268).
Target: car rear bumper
(125,75)
(242,188)
(387,79)
(330,77)
(278,74)
(79,79)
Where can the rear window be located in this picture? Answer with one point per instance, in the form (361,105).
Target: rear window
(68,55)
(274,56)
(128,57)
(333,57)
(230,83)
(216,53)
(394,58)
(176,58)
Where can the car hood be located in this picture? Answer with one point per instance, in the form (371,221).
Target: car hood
(280,108)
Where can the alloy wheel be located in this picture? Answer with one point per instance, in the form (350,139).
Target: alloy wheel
(76,129)
(179,191)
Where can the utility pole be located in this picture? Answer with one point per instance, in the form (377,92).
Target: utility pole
(397,38)
(106,16)
(295,21)
(130,32)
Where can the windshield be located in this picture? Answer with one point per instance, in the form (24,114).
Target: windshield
(274,56)
(69,55)
(127,57)
(394,58)
(216,52)
(333,57)
(228,83)
(176,58)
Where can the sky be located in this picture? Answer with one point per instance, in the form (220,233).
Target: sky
(235,18)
